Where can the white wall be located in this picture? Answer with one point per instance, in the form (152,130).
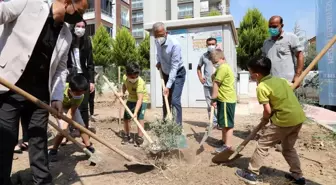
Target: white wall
(154,10)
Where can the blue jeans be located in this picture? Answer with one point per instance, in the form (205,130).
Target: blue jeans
(175,93)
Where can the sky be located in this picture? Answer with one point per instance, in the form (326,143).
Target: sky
(300,11)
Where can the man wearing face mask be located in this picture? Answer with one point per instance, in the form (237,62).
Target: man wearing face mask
(284,50)
(80,61)
(34,47)
(169,60)
(205,61)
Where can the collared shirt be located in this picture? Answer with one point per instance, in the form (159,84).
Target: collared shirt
(135,88)
(169,55)
(208,68)
(286,109)
(226,90)
(282,53)
(35,77)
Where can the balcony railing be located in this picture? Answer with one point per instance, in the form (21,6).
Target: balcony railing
(183,14)
(137,33)
(137,19)
(109,13)
(137,5)
(212,8)
(185,1)
(89,10)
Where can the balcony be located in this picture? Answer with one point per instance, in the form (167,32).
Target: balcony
(212,8)
(137,20)
(185,14)
(89,10)
(137,5)
(138,34)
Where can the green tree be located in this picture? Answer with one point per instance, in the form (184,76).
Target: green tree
(143,53)
(252,33)
(214,12)
(101,47)
(311,54)
(123,48)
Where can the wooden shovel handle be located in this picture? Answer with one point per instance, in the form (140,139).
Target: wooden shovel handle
(165,97)
(128,110)
(294,85)
(63,117)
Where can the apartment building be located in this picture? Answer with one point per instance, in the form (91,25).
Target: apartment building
(137,20)
(110,13)
(162,10)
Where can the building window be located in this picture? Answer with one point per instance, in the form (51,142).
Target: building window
(106,7)
(109,30)
(137,17)
(126,1)
(138,31)
(186,10)
(90,29)
(125,17)
(90,6)
(137,4)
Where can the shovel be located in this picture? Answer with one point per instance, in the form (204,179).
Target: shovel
(68,120)
(208,132)
(227,155)
(182,141)
(94,159)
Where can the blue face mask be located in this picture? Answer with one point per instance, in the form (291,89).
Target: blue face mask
(274,31)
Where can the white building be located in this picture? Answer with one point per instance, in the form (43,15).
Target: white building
(192,34)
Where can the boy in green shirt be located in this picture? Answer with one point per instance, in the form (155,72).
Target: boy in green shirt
(224,98)
(136,102)
(73,97)
(286,114)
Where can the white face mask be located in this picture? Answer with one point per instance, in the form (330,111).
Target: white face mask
(161,40)
(76,97)
(79,31)
(133,80)
(211,48)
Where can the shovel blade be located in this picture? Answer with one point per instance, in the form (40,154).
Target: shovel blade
(222,157)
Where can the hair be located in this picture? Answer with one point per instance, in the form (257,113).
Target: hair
(132,68)
(277,16)
(158,25)
(216,55)
(262,65)
(78,83)
(211,39)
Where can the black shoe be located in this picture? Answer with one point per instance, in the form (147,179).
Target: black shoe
(52,154)
(90,148)
(138,141)
(300,181)
(126,139)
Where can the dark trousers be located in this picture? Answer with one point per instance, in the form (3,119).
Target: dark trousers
(84,108)
(12,108)
(91,102)
(175,93)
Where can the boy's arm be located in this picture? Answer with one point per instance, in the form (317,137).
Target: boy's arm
(263,98)
(214,96)
(138,104)
(72,111)
(267,112)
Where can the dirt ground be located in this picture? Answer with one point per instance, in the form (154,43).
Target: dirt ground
(316,147)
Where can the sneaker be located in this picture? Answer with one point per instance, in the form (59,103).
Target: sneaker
(125,140)
(246,176)
(138,141)
(222,148)
(300,181)
(52,154)
(90,148)
(93,118)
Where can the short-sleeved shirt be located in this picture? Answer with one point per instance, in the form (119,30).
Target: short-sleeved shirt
(68,101)
(224,76)
(282,53)
(134,88)
(286,109)
(208,68)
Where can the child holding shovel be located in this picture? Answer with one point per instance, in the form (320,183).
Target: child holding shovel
(224,98)
(285,112)
(73,97)
(136,102)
